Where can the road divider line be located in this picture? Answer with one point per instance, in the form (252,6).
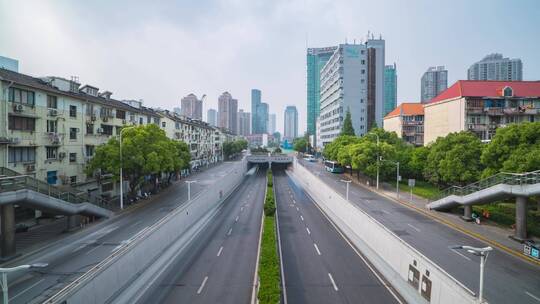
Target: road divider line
(202,285)
(220,250)
(308,232)
(333,282)
(302,218)
(241,209)
(236,219)
(317,248)
(417,230)
(27,289)
(230,231)
(88,252)
(532,296)
(297,209)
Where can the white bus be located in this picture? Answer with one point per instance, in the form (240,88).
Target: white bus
(332,166)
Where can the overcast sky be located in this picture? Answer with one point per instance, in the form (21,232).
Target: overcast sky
(162,52)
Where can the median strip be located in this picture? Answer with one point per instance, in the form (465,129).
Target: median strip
(269,266)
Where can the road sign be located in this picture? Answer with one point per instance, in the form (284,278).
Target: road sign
(530,250)
(411,182)
(399,178)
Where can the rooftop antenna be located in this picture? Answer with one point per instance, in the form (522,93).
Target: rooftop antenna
(367,36)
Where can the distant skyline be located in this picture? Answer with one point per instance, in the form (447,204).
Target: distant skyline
(160,52)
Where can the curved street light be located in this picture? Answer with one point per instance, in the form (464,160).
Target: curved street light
(5,271)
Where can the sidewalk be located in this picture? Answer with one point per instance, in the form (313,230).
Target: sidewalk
(488,232)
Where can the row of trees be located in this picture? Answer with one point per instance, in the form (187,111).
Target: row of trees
(146,151)
(457,159)
(232,148)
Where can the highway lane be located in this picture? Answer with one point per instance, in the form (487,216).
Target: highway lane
(319,265)
(507,278)
(71,257)
(220,266)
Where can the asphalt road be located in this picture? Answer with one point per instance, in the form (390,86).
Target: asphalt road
(220,266)
(71,257)
(508,279)
(319,265)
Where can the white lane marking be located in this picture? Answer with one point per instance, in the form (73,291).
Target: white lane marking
(28,288)
(355,193)
(202,285)
(134,224)
(297,209)
(81,247)
(241,209)
(417,230)
(332,280)
(308,232)
(293,201)
(236,219)
(220,250)
(384,211)
(461,254)
(302,218)
(88,252)
(230,231)
(532,296)
(317,248)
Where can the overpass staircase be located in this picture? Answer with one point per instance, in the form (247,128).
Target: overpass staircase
(500,186)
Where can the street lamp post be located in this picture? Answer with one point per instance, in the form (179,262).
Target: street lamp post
(347,193)
(5,271)
(397,180)
(121,173)
(483,254)
(189,189)
(378,164)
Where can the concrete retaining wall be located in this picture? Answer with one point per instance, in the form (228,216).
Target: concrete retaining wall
(414,276)
(108,278)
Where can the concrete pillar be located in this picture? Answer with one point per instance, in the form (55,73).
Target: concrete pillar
(521,218)
(467,213)
(72,222)
(8,231)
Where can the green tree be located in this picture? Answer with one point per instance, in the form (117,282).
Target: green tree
(454,159)
(347,125)
(418,162)
(232,148)
(515,148)
(331,150)
(300,144)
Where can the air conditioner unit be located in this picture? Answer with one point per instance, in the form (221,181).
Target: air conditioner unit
(471,126)
(31,168)
(18,108)
(53,112)
(100,130)
(123,121)
(62,155)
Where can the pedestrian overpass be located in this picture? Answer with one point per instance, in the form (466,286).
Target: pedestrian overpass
(276,160)
(501,186)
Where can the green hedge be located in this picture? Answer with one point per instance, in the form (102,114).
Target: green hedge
(270,202)
(504,213)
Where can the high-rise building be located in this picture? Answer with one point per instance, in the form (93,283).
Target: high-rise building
(316,58)
(290,128)
(191,107)
(255,103)
(177,110)
(262,118)
(227,112)
(244,123)
(495,67)
(9,64)
(211,117)
(434,81)
(272,124)
(390,88)
(360,89)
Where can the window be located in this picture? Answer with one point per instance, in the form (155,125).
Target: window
(22,123)
(120,114)
(72,157)
(90,109)
(52,152)
(72,111)
(89,151)
(72,133)
(51,102)
(148,119)
(156,120)
(21,96)
(106,187)
(363,71)
(107,129)
(89,128)
(52,126)
(22,154)
(141,121)
(508,92)
(163,124)
(177,125)
(73,179)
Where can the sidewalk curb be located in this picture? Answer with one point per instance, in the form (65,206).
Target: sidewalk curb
(475,235)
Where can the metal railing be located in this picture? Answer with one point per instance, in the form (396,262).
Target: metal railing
(13,181)
(527,178)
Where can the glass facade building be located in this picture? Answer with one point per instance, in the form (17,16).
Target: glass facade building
(255,103)
(390,88)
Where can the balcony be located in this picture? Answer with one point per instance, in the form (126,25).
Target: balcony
(477,127)
(494,111)
(475,110)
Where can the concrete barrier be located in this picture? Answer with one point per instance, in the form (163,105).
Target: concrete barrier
(106,280)
(414,276)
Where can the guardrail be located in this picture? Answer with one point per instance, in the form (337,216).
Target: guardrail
(527,178)
(119,270)
(413,275)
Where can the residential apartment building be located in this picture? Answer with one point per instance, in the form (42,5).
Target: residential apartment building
(262,117)
(316,58)
(272,124)
(407,120)
(481,107)
(227,112)
(9,64)
(244,123)
(211,117)
(290,128)
(352,80)
(390,88)
(191,107)
(53,126)
(495,67)
(433,82)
